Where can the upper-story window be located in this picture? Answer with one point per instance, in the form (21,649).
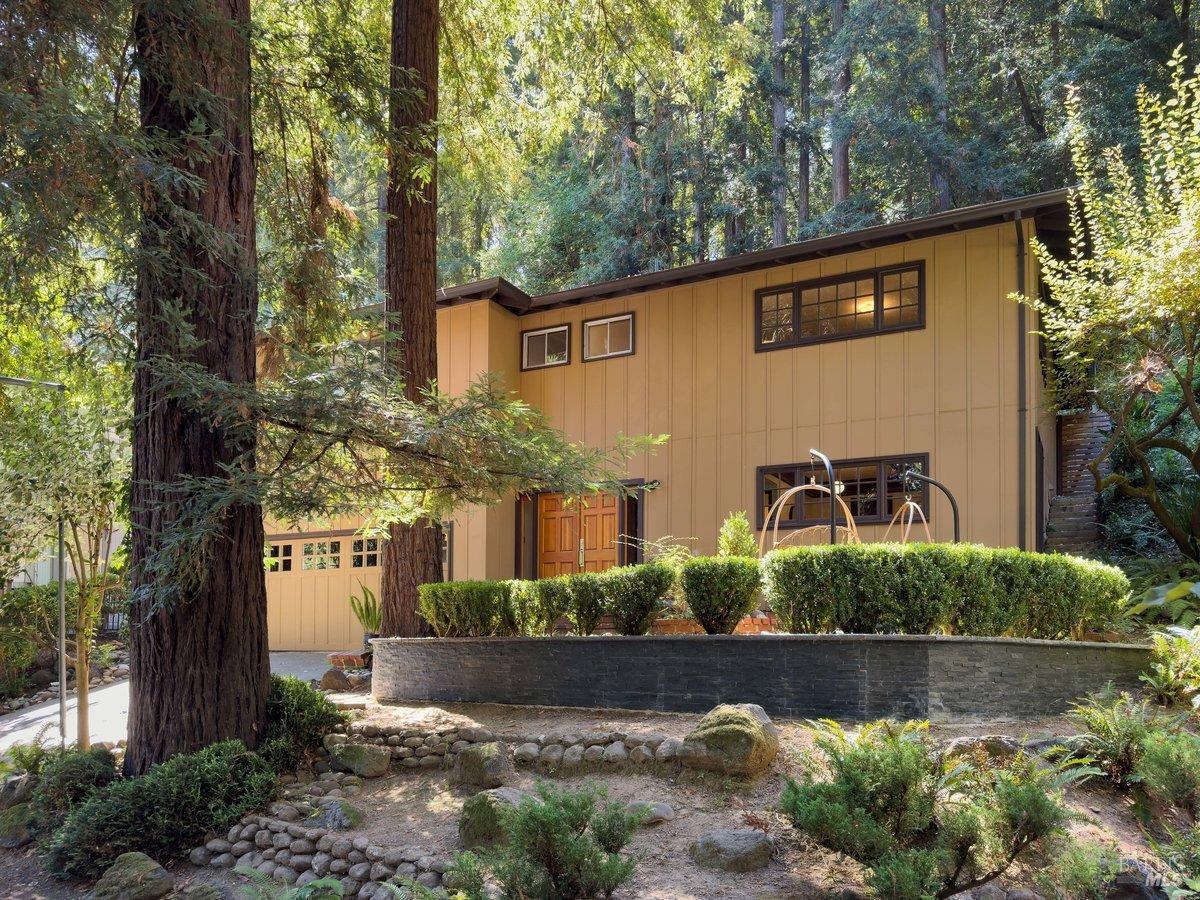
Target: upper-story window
(545,347)
(873,489)
(841,307)
(608,337)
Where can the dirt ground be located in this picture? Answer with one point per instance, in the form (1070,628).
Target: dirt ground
(420,809)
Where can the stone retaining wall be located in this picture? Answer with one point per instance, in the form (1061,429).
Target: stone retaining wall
(853,677)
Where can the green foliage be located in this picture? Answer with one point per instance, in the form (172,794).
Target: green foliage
(30,757)
(635,595)
(103,656)
(720,590)
(1119,313)
(297,718)
(538,605)
(1169,769)
(162,813)
(28,622)
(1181,853)
(68,779)
(468,608)
(262,887)
(1114,731)
(1174,676)
(922,823)
(954,588)
(560,845)
(736,537)
(1078,871)
(366,610)
(586,604)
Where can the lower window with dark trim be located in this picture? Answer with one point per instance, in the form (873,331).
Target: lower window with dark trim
(874,488)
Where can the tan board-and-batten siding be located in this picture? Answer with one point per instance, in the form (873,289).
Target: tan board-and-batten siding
(949,390)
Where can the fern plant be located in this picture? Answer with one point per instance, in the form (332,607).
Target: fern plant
(1174,676)
(366,610)
(261,887)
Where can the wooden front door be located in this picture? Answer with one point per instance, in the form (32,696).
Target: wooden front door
(576,535)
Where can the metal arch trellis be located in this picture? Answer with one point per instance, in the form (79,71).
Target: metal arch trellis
(906,516)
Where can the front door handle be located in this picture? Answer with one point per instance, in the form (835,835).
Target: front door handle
(581,554)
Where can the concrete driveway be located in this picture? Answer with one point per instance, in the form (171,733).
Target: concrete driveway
(109,706)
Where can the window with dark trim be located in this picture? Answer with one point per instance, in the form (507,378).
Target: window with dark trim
(840,307)
(874,489)
(279,559)
(608,337)
(542,348)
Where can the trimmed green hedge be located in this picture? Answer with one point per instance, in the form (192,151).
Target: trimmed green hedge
(927,588)
(633,595)
(468,608)
(636,595)
(720,590)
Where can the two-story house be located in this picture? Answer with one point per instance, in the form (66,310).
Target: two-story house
(887,347)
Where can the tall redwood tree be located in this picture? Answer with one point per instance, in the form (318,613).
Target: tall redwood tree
(199,663)
(413,556)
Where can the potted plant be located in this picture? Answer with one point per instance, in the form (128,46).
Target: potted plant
(366,610)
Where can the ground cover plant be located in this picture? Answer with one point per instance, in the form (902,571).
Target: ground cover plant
(559,845)
(924,823)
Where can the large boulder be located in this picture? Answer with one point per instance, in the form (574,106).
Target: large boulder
(733,849)
(483,766)
(336,680)
(335,814)
(17,789)
(732,740)
(134,876)
(482,818)
(15,826)
(365,760)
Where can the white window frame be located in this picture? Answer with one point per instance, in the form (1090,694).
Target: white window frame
(537,332)
(608,320)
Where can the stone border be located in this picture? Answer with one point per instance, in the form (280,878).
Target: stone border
(849,677)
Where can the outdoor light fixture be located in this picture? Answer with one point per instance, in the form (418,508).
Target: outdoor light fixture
(62,575)
(833,492)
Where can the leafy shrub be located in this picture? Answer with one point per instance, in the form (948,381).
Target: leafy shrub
(1079,870)
(297,718)
(162,813)
(31,757)
(560,845)
(635,595)
(538,605)
(366,610)
(955,588)
(1169,768)
(29,621)
(1174,676)
(586,604)
(923,824)
(468,608)
(1181,853)
(1114,731)
(68,779)
(736,538)
(720,590)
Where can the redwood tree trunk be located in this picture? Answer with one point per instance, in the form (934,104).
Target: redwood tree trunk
(198,666)
(840,89)
(413,555)
(939,176)
(778,124)
(804,183)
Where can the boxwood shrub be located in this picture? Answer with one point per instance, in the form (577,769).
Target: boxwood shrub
(586,602)
(635,595)
(298,716)
(468,608)
(719,590)
(538,605)
(953,588)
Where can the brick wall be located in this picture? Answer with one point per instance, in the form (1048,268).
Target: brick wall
(841,676)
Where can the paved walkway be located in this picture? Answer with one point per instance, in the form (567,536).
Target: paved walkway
(109,706)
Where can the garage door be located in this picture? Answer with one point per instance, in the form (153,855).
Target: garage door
(310,580)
